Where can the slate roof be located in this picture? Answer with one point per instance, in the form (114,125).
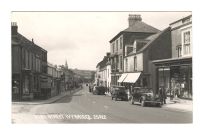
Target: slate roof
(138,27)
(150,39)
(142,27)
(20,39)
(103,63)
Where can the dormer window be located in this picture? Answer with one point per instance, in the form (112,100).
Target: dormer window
(128,49)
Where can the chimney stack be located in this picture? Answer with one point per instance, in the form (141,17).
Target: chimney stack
(108,54)
(14,28)
(133,18)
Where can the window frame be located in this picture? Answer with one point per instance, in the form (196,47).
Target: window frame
(121,42)
(135,63)
(183,44)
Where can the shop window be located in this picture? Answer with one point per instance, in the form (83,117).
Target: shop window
(181,82)
(15,87)
(26,85)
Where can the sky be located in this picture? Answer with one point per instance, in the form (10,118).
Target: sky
(82,38)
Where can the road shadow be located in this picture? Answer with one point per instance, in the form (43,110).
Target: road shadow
(146,106)
(68,97)
(77,94)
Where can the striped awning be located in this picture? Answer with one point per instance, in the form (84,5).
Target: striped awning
(132,77)
(123,76)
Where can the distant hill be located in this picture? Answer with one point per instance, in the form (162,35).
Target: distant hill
(86,74)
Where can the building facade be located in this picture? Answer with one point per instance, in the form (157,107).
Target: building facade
(108,76)
(174,75)
(138,68)
(54,81)
(29,66)
(103,73)
(122,44)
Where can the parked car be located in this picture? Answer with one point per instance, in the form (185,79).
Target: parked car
(99,90)
(144,96)
(119,92)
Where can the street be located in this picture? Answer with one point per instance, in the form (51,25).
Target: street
(84,107)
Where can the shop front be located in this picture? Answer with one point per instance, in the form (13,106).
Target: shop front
(134,79)
(174,76)
(16,84)
(27,84)
(46,86)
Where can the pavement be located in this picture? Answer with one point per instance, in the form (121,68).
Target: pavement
(47,101)
(179,104)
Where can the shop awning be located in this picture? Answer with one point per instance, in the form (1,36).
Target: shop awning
(123,76)
(132,77)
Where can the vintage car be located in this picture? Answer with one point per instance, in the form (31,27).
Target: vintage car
(119,92)
(144,96)
(99,90)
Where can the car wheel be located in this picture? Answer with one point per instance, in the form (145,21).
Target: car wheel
(115,98)
(112,98)
(143,103)
(158,105)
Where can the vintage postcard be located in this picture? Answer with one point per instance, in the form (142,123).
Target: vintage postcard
(101,67)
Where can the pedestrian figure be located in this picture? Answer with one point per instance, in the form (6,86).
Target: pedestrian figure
(162,96)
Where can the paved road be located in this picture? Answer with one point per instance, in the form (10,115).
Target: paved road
(84,107)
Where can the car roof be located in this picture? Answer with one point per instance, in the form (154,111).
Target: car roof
(118,86)
(140,88)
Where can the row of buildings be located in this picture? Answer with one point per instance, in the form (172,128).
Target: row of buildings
(144,56)
(32,76)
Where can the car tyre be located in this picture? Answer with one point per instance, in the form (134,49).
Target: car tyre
(159,105)
(115,98)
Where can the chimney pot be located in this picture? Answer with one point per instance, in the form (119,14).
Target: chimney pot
(108,54)
(133,18)
(14,28)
